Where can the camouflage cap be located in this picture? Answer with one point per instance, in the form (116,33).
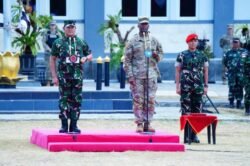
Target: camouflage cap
(236,39)
(53,22)
(143,20)
(230,26)
(68,23)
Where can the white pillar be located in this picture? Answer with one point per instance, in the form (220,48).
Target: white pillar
(7,25)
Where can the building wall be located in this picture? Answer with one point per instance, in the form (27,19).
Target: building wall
(172,30)
(241,9)
(210,21)
(74,11)
(172,36)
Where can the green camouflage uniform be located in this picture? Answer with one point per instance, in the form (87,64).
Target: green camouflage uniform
(233,61)
(135,65)
(191,80)
(70,75)
(225,44)
(246,71)
(48,39)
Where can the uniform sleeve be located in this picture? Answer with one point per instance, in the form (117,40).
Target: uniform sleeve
(179,60)
(128,59)
(44,40)
(159,50)
(246,66)
(224,60)
(222,42)
(55,48)
(85,48)
(206,64)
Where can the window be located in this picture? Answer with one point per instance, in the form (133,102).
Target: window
(187,8)
(129,8)
(58,8)
(1,6)
(158,8)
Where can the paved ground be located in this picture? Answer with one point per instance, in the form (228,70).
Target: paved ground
(162,113)
(232,146)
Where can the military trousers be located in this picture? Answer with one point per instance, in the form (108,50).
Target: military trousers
(139,93)
(247,91)
(48,76)
(191,99)
(235,92)
(235,86)
(70,91)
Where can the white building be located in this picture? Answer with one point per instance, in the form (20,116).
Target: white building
(171,20)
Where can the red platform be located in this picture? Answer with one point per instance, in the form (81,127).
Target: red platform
(105,141)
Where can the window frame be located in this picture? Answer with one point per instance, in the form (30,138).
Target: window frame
(138,4)
(160,17)
(60,16)
(144,9)
(2,7)
(179,17)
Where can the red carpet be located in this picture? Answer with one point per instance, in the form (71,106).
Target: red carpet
(105,141)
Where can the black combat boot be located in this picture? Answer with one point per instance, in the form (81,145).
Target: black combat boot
(231,103)
(238,104)
(73,127)
(194,137)
(247,108)
(64,128)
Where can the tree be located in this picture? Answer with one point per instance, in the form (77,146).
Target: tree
(108,29)
(27,40)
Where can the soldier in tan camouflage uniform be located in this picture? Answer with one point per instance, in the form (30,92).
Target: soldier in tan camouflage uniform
(135,65)
(225,44)
(49,36)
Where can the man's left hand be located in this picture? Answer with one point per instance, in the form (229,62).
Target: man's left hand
(84,59)
(205,90)
(156,56)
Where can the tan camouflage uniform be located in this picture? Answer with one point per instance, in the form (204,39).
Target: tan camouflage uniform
(135,65)
(225,44)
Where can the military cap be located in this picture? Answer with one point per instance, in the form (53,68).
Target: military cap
(230,26)
(68,23)
(143,20)
(191,37)
(53,22)
(236,39)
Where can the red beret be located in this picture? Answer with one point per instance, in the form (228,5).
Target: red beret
(191,37)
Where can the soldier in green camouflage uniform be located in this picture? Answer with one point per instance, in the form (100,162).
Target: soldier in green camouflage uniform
(246,73)
(135,65)
(191,78)
(71,52)
(226,44)
(234,63)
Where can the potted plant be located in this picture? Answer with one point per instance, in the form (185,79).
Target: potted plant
(27,40)
(108,29)
(9,67)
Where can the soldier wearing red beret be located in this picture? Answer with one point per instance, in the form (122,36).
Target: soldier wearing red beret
(191,78)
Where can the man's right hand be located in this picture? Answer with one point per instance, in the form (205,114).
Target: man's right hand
(55,81)
(131,80)
(178,90)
